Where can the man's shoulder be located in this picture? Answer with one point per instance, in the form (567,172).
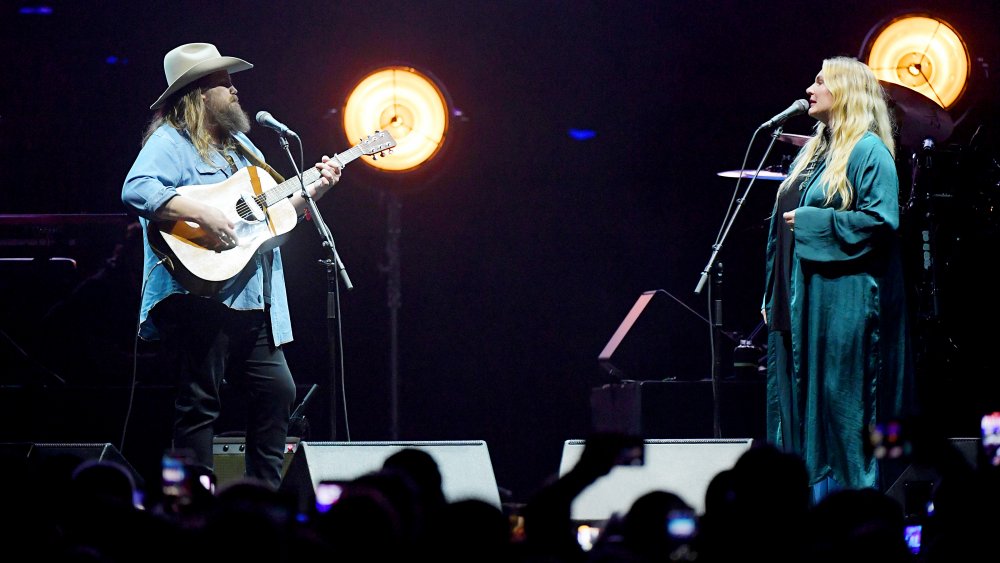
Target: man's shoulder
(169,134)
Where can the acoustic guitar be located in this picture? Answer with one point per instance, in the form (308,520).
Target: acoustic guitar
(258,206)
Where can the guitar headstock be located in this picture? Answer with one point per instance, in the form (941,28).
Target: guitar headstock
(377,143)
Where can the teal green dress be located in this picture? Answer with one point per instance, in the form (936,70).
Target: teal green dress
(844,361)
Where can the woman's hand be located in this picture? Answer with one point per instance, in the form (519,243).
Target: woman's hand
(789,217)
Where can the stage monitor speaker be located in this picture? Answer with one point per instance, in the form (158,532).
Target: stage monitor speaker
(915,484)
(229,457)
(682,467)
(465,466)
(34,454)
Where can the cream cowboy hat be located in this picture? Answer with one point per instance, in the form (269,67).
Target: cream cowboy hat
(189,62)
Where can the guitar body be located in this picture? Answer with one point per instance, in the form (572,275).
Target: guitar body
(261,211)
(204,271)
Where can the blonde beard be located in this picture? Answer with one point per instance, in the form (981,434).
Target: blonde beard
(230,118)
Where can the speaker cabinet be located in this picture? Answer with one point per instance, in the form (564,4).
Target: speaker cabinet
(682,467)
(229,457)
(465,466)
(35,454)
(681,409)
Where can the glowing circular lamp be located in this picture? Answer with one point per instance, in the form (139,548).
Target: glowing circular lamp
(407,104)
(922,53)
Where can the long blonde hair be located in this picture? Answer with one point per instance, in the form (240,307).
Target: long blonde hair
(858,107)
(186,112)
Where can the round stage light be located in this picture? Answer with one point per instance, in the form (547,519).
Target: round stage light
(922,53)
(409,106)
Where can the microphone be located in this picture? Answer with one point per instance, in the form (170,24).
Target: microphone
(267,120)
(798,107)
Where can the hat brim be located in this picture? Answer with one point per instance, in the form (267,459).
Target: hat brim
(202,69)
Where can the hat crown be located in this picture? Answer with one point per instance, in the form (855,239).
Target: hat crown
(187,63)
(184,58)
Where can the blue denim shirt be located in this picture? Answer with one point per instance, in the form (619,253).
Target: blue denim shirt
(169,160)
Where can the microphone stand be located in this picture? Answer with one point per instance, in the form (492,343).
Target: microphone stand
(727,222)
(923,208)
(298,424)
(334,329)
(716,333)
(716,306)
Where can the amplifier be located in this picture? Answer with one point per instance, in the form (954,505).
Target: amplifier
(228,455)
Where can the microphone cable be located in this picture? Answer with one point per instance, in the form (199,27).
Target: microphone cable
(135,357)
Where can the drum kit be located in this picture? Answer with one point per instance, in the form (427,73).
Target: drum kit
(779,172)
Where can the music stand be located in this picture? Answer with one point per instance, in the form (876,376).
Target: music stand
(604,358)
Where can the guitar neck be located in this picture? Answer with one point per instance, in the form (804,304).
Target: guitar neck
(292,185)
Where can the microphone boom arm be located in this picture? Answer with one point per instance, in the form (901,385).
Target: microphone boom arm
(728,221)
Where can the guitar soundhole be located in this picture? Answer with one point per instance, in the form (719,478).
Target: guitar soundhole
(249,210)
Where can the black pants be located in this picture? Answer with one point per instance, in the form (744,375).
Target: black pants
(208,342)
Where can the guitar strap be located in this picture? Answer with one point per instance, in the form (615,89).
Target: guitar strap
(253,158)
(266,256)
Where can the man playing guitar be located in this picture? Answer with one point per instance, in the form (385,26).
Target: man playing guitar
(197,137)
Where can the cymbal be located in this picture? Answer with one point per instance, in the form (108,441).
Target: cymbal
(917,116)
(797,140)
(764,174)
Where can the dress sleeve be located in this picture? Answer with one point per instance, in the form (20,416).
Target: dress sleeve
(824,234)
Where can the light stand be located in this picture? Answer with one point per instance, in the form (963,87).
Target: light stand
(394,301)
(416,110)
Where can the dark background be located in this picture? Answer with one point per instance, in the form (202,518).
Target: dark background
(522,249)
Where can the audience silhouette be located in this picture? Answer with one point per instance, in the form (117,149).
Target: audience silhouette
(64,508)
(659,526)
(860,525)
(756,507)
